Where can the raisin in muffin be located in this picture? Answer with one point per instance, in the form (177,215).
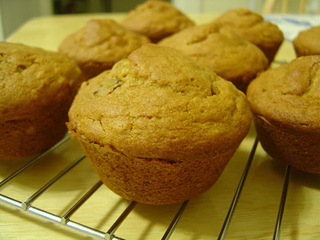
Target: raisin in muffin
(252,27)
(308,42)
(285,102)
(159,128)
(100,44)
(36,91)
(230,56)
(157,20)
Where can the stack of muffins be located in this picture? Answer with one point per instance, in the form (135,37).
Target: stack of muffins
(160,125)
(163,106)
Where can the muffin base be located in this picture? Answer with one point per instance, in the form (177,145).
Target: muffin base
(155,181)
(300,150)
(31,135)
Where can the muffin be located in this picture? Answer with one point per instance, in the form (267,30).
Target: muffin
(228,55)
(308,42)
(100,44)
(36,91)
(159,128)
(285,103)
(252,27)
(157,20)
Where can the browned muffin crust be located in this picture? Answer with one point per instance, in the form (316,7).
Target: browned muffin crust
(252,27)
(228,55)
(36,91)
(159,128)
(285,102)
(100,44)
(308,42)
(157,20)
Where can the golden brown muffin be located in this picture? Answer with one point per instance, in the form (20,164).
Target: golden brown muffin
(285,102)
(157,20)
(159,128)
(100,44)
(308,42)
(228,55)
(252,27)
(36,91)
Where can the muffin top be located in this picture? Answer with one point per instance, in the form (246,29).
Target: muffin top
(103,41)
(308,42)
(31,76)
(159,103)
(251,26)
(228,55)
(289,94)
(156,19)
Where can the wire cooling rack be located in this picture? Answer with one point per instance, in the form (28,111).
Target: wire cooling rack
(66,219)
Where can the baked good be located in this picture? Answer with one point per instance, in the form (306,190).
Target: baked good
(159,128)
(100,44)
(285,102)
(307,42)
(252,27)
(156,19)
(36,91)
(228,55)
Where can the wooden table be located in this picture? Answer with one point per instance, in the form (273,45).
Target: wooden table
(254,217)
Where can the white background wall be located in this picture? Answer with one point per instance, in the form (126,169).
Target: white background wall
(13,13)
(191,6)
(207,6)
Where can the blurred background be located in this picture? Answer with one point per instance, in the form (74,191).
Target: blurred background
(13,13)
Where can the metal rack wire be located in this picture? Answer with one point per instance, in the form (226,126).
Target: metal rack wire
(66,218)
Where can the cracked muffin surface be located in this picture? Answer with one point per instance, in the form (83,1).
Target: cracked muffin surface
(156,20)
(100,44)
(289,93)
(162,108)
(215,46)
(252,27)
